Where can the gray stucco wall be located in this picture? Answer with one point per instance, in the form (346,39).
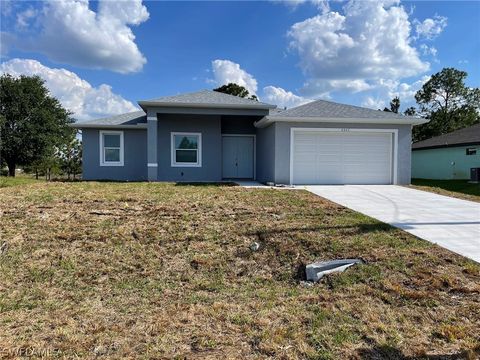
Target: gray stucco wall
(266,154)
(272,149)
(135,157)
(210,128)
(282,147)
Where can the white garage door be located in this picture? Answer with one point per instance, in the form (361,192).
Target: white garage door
(336,157)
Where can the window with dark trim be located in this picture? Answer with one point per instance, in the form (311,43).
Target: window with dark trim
(471,151)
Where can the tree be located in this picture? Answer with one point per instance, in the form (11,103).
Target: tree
(71,157)
(49,164)
(411,111)
(394,105)
(65,159)
(32,122)
(236,90)
(448,103)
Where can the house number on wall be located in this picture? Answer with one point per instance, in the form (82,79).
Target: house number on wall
(345,129)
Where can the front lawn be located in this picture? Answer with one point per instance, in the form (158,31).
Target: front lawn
(6,181)
(455,188)
(163,271)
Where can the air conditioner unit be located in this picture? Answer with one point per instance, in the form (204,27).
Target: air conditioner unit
(475,175)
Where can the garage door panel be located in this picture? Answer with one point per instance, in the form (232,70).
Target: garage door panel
(307,173)
(373,157)
(303,150)
(321,157)
(329,175)
(305,157)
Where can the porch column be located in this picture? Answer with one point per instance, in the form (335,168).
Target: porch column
(152,130)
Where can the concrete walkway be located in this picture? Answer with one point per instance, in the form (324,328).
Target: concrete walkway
(451,223)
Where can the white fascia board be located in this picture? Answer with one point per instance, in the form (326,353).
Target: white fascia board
(407,121)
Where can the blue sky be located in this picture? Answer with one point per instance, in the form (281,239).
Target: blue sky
(99,58)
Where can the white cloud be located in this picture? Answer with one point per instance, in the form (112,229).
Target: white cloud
(428,50)
(322,5)
(74,93)
(368,42)
(384,90)
(430,28)
(226,71)
(322,87)
(24,17)
(70,32)
(407,91)
(291,3)
(373,103)
(282,98)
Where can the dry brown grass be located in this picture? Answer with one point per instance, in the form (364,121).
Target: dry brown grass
(162,271)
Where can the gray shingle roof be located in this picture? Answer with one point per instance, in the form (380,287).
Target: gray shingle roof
(275,111)
(128,119)
(469,135)
(207,97)
(332,110)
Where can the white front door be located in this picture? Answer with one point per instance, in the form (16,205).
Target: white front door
(238,157)
(336,157)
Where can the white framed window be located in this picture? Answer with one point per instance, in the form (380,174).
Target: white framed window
(111,148)
(186,149)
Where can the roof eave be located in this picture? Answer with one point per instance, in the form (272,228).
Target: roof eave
(267,120)
(443,146)
(203,105)
(105,126)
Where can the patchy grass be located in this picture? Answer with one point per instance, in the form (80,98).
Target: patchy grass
(118,270)
(16,181)
(456,188)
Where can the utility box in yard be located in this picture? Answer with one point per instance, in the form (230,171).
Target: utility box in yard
(475,175)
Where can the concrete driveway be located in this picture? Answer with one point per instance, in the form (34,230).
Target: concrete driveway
(451,223)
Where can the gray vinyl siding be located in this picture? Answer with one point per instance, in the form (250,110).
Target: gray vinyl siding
(266,154)
(282,147)
(135,157)
(210,128)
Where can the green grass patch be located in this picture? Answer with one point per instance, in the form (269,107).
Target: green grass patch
(457,188)
(19,180)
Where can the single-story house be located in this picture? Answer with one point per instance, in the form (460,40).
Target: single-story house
(211,136)
(447,157)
